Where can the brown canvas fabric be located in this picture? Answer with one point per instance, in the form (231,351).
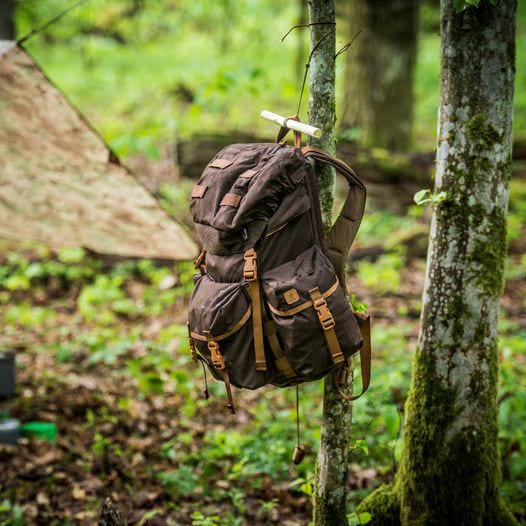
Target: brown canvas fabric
(270,289)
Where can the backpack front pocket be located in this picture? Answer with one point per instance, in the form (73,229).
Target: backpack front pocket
(218,317)
(315,324)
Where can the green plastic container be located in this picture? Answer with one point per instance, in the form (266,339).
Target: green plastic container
(43,430)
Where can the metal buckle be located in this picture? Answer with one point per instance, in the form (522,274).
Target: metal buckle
(250,267)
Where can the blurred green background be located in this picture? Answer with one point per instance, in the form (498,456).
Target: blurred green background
(101,343)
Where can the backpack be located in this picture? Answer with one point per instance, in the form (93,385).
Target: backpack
(269,305)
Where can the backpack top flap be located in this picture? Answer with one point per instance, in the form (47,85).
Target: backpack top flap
(240,190)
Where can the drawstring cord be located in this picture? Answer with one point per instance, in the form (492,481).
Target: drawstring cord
(298,414)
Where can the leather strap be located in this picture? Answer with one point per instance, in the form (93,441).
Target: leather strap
(343,231)
(191,344)
(327,324)
(228,387)
(281,361)
(365,360)
(250,274)
(219,363)
(282,133)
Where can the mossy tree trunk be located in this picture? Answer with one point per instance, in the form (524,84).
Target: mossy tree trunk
(449,472)
(330,492)
(379,71)
(7,24)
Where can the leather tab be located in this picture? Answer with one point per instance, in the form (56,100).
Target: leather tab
(220,163)
(199,190)
(248,174)
(231,199)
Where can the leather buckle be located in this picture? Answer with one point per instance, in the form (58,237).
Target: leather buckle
(324,314)
(215,354)
(250,272)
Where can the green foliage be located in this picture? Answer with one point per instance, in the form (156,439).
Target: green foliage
(356,519)
(426,196)
(460,5)
(512,440)
(198,519)
(11,514)
(383,275)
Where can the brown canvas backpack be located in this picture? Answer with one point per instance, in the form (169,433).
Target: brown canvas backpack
(269,305)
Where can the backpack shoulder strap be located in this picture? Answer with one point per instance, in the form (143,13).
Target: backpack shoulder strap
(344,229)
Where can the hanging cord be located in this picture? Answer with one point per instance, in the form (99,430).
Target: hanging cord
(299,450)
(298,413)
(342,50)
(55,19)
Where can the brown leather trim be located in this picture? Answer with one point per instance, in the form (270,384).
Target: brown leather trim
(225,335)
(199,190)
(247,174)
(231,199)
(220,163)
(305,305)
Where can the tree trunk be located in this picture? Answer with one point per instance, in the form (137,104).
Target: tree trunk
(330,494)
(449,472)
(7,24)
(379,71)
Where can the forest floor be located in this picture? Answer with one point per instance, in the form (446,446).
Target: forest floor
(101,351)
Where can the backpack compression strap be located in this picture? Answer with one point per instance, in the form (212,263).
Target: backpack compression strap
(343,232)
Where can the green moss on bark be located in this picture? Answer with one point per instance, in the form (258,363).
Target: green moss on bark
(383,505)
(481,132)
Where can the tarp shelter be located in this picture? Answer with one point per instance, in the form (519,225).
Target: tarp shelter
(61,184)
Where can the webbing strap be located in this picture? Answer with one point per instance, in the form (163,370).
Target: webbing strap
(365,360)
(344,229)
(250,274)
(226,379)
(281,361)
(327,324)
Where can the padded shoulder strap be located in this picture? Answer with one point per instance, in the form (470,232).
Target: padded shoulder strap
(343,231)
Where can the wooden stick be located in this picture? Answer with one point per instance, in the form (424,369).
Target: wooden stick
(307,129)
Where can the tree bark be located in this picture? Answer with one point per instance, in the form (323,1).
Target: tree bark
(330,492)
(449,472)
(379,71)
(7,23)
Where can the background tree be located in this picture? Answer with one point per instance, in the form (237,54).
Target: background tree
(7,25)
(330,496)
(450,466)
(379,71)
